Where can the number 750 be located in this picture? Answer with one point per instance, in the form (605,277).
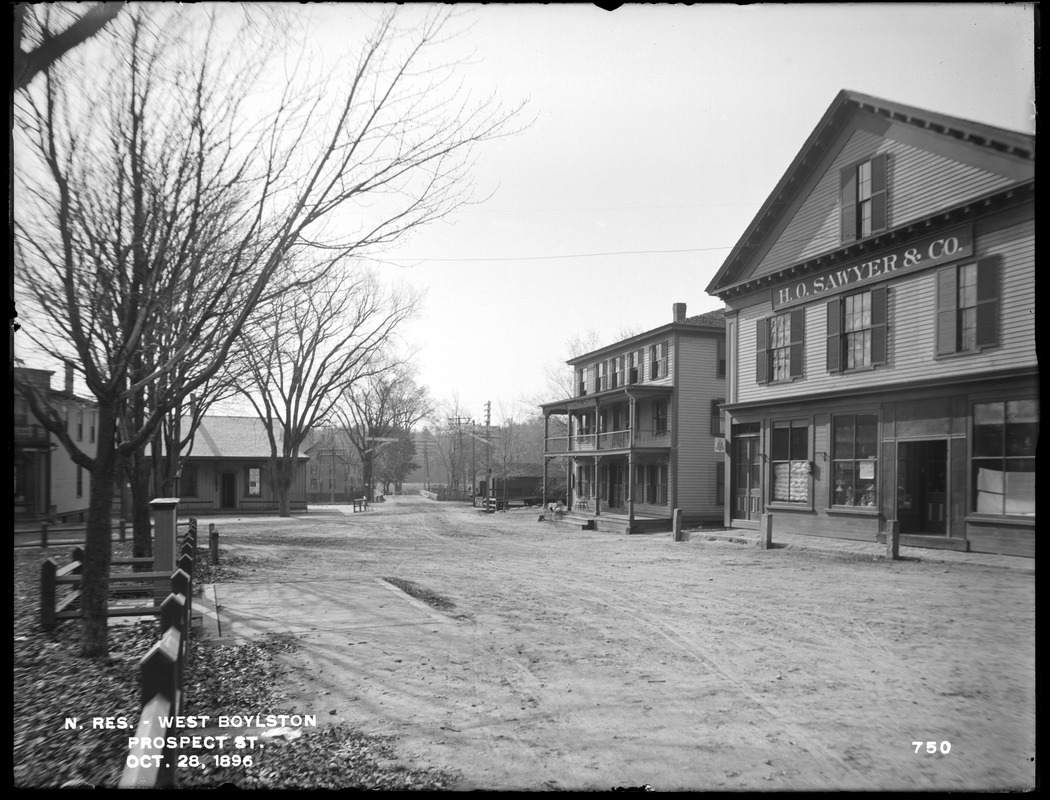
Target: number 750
(932,747)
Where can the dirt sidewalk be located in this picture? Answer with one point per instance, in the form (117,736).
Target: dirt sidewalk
(583,660)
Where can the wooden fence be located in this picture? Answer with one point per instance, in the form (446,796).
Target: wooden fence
(162,673)
(53,579)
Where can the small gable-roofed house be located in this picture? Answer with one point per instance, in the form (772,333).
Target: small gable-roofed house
(226,470)
(880,324)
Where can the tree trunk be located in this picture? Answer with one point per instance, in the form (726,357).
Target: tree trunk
(98,547)
(142,532)
(281,477)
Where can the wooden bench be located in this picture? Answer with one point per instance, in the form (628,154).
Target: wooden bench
(360,504)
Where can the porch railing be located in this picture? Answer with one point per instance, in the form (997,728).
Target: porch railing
(611,440)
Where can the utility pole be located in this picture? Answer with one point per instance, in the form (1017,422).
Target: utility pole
(460,467)
(490,489)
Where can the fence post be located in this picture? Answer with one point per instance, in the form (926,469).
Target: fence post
(43,534)
(213,544)
(47,593)
(164,535)
(123,530)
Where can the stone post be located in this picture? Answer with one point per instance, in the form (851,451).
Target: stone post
(765,532)
(893,539)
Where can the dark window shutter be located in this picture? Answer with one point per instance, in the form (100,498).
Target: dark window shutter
(987,302)
(947,292)
(798,334)
(878,194)
(848,203)
(878,325)
(716,418)
(761,355)
(834,339)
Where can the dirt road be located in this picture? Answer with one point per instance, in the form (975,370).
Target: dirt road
(583,660)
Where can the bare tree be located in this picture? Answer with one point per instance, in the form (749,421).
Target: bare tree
(158,192)
(316,344)
(387,404)
(49,46)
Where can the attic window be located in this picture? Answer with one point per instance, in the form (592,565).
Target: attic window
(863,199)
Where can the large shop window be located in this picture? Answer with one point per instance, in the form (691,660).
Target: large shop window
(854,454)
(863,196)
(968,307)
(778,347)
(790,460)
(857,330)
(1004,440)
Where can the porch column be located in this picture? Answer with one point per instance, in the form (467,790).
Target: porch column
(630,489)
(543,489)
(597,487)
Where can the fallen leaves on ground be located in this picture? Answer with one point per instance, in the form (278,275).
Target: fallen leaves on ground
(53,685)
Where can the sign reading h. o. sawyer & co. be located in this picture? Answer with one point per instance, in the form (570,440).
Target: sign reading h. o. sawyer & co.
(929,252)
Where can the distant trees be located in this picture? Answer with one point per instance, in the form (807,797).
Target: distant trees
(311,347)
(164,181)
(384,405)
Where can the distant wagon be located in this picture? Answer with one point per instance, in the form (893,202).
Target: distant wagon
(522,491)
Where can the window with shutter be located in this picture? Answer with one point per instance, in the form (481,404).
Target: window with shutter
(968,307)
(857,330)
(863,199)
(717,428)
(779,347)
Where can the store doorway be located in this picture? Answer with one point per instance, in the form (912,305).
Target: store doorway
(747,475)
(922,487)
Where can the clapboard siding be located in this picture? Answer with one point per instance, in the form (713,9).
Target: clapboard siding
(697,385)
(920,182)
(911,344)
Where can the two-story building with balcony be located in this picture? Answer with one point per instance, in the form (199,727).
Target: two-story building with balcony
(48,484)
(880,325)
(642,433)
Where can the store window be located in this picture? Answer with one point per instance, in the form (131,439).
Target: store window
(864,201)
(968,307)
(1003,467)
(854,454)
(857,330)
(254,481)
(789,456)
(779,347)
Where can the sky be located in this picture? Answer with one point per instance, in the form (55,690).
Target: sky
(652,135)
(656,134)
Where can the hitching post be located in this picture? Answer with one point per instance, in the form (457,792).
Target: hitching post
(213,544)
(893,539)
(676,524)
(164,542)
(765,532)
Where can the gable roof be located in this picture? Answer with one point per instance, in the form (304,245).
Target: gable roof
(708,321)
(232,437)
(846,106)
